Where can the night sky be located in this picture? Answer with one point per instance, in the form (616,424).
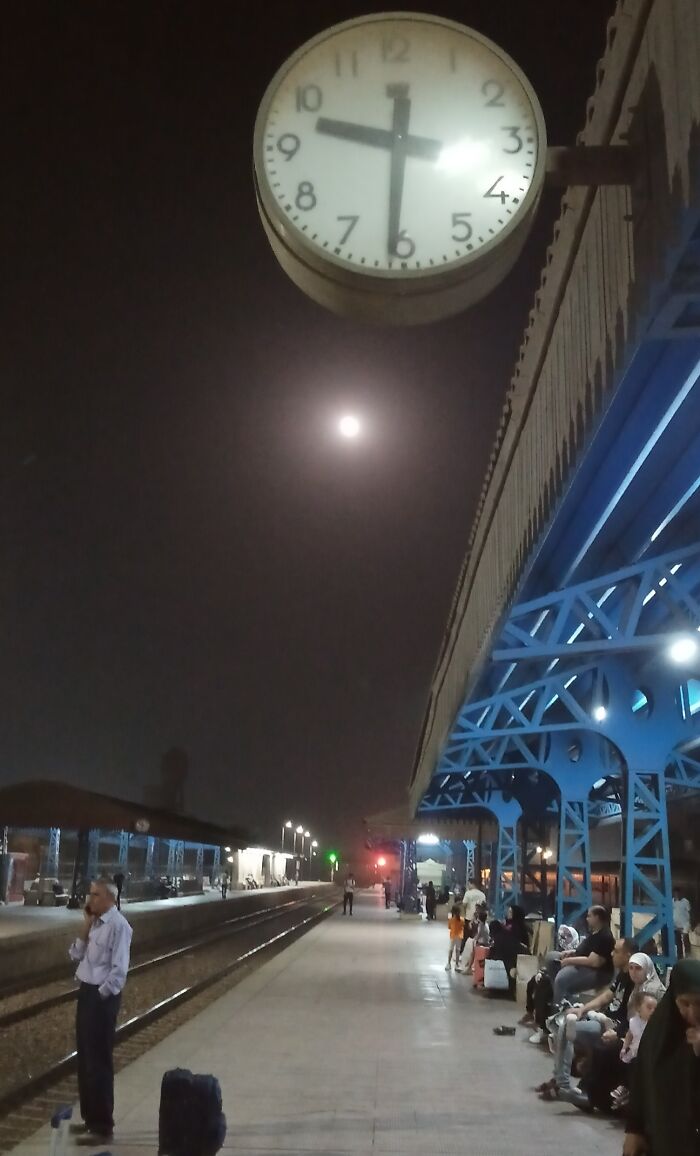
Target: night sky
(190,556)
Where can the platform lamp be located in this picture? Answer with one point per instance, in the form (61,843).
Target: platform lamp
(314,850)
(286,827)
(545,854)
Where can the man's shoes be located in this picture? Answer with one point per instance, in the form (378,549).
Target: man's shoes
(78,1129)
(537,1037)
(576,1097)
(526,1021)
(93,1139)
(447,968)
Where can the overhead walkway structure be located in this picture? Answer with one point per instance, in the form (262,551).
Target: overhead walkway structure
(568,682)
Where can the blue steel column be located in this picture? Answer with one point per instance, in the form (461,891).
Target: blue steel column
(216,864)
(172,843)
(646,860)
(573,861)
(93,857)
(123,849)
(199,869)
(150,855)
(507,883)
(179,857)
(52,857)
(470,848)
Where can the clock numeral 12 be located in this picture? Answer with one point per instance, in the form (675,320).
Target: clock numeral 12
(493,193)
(395,49)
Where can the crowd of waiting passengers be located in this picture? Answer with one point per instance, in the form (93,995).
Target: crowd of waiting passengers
(602,1008)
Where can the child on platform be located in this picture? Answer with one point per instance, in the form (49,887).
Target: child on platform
(644,1010)
(455,925)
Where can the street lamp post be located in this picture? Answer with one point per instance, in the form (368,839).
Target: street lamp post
(297,865)
(314,846)
(286,826)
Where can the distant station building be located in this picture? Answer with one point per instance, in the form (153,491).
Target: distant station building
(56,837)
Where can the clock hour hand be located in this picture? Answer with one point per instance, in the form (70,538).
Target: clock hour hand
(422,147)
(402,113)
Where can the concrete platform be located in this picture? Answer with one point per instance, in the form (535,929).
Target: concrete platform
(356,1040)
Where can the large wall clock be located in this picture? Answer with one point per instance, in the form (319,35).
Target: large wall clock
(399,159)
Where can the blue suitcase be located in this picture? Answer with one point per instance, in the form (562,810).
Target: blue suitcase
(190,1119)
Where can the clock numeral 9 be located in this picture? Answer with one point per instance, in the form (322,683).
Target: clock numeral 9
(395,49)
(309,98)
(513,132)
(493,90)
(289,145)
(306,197)
(459,221)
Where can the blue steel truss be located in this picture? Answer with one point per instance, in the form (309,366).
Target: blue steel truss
(179,857)
(646,861)
(199,870)
(52,858)
(470,849)
(637,608)
(172,844)
(123,850)
(93,857)
(150,856)
(216,862)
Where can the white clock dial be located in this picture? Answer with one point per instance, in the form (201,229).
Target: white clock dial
(399,145)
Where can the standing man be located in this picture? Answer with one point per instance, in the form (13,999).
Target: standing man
(681,923)
(348,892)
(473,897)
(119,884)
(102,954)
(387,892)
(223,881)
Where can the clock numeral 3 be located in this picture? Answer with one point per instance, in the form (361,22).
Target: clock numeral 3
(513,132)
(309,98)
(459,221)
(493,193)
(353,221)
(306,197)
(493,90)
(404,247)
(289,145)
(395,49)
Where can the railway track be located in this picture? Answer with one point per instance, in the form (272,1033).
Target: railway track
(195,978)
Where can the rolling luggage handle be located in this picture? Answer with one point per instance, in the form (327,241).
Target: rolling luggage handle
(60,1122)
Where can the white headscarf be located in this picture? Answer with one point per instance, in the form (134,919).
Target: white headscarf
(567,938)
(651,984)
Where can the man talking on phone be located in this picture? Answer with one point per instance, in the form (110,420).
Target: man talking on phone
(101,951)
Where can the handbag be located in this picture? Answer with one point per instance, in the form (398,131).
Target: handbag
(495,975)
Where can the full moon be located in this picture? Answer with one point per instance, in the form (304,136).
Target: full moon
(349,426)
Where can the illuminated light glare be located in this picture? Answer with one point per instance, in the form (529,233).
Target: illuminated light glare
(288,823)
(650,595)
(600,713)
(462,156)
(676,509)
(300,830)
(683,650)
(349,426)
(230,859)
(569,681)
(428,840)
(597,785)
(381,861)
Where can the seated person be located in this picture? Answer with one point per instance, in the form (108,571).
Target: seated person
(644,1010)
(587,966)
(575,1027)
(538,997)
(506,945)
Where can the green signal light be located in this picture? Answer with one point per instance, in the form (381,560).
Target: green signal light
(333,858)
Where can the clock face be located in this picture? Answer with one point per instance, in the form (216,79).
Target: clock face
(399,145)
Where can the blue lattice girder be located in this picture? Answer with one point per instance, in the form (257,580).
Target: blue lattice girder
(470,849)
(53,855)
(123,850)
(93,857)
(636,608)
(150,856)
(646,861)
(574,892)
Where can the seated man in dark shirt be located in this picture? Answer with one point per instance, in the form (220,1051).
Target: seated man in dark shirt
(590,965)
(613,1000)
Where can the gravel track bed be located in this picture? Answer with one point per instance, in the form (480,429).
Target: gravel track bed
(31,1047)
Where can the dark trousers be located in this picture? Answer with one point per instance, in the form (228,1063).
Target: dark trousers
(224,889)
(95,1024)
(347,899)
(682,943)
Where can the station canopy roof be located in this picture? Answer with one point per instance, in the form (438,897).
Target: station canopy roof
(48,803)
(398,823)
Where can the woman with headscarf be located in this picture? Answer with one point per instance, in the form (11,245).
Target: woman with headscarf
(644,976)
(664,1111)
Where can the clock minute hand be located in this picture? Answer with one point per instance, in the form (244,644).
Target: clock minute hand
(402,114)
(422,147)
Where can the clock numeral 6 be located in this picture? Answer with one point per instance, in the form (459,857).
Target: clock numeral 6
(493,90)
(289,145)
(306,197)
(459,221)
(404,247)
(513,132)
(309,98)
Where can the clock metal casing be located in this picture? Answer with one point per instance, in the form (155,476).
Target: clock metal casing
(363,64)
